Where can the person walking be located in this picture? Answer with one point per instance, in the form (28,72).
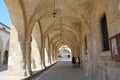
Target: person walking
(78,61)
(73,60)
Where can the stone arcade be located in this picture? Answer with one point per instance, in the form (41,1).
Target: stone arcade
(85,26)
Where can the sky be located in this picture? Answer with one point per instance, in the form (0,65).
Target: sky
(4,14)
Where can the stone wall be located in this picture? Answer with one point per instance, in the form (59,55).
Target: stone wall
(101,66)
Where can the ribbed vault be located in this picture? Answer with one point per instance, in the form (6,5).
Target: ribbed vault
(64,29)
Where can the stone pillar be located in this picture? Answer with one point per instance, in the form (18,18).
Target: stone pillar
(51,51)
(28,58)
(37,58)
(43,56)
(49,55)
(40,60)
(33,66)
(54,56)
(42,66)
(16,59)
(53,59)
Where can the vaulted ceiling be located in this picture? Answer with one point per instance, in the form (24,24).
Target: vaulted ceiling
(66,27)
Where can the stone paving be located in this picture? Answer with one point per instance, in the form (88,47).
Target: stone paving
(3,67)
(60,71)
(5,76)
(63,71)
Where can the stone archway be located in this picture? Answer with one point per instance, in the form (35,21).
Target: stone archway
(36,61)
(65,52)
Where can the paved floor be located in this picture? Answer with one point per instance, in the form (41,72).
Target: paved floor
(5,76)
(63,71)
(3,67)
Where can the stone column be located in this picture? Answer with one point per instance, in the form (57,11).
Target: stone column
(40,60)
(28,58)
(16,59)
(42,66)
(51,51)
(33,66)
(53,56)
(43,56)
(56,57)
(37,58)
(49,55)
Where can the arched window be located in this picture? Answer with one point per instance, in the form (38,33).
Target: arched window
(104,34)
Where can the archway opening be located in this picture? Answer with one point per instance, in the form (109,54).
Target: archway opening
(5,61)
(65,53)
(35,56)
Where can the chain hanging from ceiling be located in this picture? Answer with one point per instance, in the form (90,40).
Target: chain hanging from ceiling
(54,12)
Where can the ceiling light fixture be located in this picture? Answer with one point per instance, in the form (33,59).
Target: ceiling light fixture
(54,13)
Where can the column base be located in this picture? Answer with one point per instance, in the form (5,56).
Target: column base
(19,72)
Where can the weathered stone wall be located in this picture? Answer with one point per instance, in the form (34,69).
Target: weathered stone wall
(103,67)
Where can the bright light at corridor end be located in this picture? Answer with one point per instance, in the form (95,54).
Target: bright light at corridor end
(65,53)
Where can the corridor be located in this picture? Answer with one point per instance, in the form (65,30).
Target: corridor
(45,32)
(63,71)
